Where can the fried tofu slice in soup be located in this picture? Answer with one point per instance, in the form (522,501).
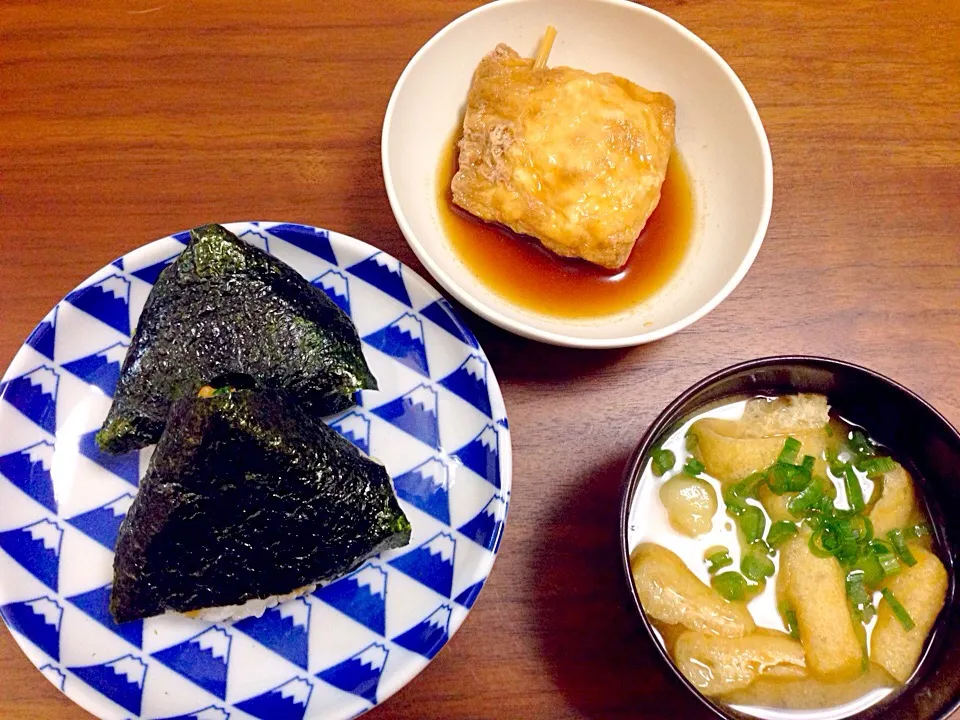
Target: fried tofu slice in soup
(672,594)
(718,665)
(574,159)
(922,590)
(815,588)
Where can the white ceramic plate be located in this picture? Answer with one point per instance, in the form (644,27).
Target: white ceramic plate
(438,423)
(719,135)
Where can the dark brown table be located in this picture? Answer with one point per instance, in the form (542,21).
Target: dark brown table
(123,122)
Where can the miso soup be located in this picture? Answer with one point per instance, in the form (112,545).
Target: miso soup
(785,559)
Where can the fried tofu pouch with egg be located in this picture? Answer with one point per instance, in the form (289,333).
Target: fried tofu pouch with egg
(921,589)
(573,159)
(671,593)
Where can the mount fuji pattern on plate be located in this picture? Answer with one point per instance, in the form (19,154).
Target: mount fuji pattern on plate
(438,423)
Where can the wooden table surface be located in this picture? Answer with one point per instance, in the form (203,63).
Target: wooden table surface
(123,122)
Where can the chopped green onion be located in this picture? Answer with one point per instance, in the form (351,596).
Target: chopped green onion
(856,590)
(889,564)
(828,430)
(752,523)
(731,585)
(918,531)
(789,452)
(792,626)
(662,461)
(691,440)
(735,494)
(862,528)
(878,465)
(900,546)
(821,544)
(808,463)
(805,499)
(854,491)
(761,546)
(783,478)
(717,558)
(693,467)
(871,569)
(860,598)
(756,567)
(837,468)
(861,444)
(748,486)
(899,611)
(879,547)
(780,532)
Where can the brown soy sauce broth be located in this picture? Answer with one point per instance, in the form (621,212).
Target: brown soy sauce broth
(777,700)
(520,269)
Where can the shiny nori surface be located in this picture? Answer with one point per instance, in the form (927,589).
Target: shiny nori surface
(225,308)
(246,497)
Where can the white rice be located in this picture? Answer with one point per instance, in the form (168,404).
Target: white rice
(255,607)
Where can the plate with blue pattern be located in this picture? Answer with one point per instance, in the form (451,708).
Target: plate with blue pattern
(438,423)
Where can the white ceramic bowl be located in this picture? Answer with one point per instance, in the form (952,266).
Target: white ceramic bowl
(719,135)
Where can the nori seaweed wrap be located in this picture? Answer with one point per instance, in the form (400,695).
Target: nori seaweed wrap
(248,497)
(222,309)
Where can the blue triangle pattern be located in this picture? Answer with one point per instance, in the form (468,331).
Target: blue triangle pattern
(54,675)
(29,470)
(103,523)
(120,680)
(102,368)
(151,273)
(284,629)
(284,702)
(38,620)
(485,529)
(482,455)
(125,467)
(415,413)
(429,635)
(403,339)
(469,381)
(427,487)
(385,274)
(355,428)
(43,336)
(35,395)
(359,674)
(183,237)
(431,564)
(202,660)
(255,238)
(441,313)
(211,712)
(469,596)
(36,548)
(313,240)
(362,595)
(96,604)
(118,263)
(334,283)
(107,300)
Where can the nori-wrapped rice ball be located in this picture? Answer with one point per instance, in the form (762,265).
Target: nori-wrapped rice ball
(248,498)
(225,308)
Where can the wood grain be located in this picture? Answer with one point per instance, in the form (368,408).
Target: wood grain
(123,122)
